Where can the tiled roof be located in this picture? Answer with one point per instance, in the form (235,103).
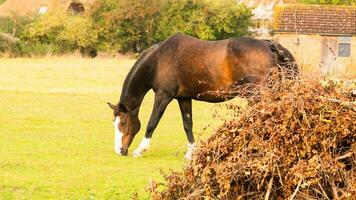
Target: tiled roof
(315,19)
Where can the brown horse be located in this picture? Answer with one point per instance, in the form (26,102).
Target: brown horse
(186,68)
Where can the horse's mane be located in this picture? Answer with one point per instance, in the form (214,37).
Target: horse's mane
(142,58)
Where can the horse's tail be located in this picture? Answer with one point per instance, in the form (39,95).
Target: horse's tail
(285,59)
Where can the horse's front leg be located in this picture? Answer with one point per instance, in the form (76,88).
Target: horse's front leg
(160,105)
(185,106)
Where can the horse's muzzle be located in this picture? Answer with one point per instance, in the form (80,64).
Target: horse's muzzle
(124,152)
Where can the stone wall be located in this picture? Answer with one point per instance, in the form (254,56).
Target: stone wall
(307,49)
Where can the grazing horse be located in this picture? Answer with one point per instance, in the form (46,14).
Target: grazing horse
(186,68)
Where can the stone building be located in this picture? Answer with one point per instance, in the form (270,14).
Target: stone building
(322,38)
(262,11)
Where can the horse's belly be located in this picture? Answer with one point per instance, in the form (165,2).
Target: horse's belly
(214,98)
(207,91)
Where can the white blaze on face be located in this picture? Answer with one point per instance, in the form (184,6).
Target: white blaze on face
(118,136)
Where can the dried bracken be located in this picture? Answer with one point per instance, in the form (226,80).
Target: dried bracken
(296,140)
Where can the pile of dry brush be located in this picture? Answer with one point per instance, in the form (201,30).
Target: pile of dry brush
(296,140)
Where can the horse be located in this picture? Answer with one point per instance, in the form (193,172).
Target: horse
(185,68)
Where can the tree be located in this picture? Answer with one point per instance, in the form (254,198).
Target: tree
(127,25)
(134,25)
(62,33)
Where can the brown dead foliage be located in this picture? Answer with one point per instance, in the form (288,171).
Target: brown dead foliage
(296,140)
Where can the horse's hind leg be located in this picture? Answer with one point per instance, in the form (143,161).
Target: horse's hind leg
(185,106)
(160,105)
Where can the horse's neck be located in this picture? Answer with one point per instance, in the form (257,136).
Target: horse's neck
(135,86)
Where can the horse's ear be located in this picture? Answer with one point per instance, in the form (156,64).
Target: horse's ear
(122,108)
(112,106)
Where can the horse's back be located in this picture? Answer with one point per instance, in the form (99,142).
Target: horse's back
(224,60)
(189,52)
(193,65)
(187,66)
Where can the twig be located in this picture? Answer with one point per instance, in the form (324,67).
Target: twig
(262,181)
(344,195)
(269,188)
(296,190)
(279,175)
(350,105)
(304,196)
(305,117)
(345,156)
(323,191)
(333,186)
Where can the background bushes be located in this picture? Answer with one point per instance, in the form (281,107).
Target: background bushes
(210,20)
(113,26)
(61,33)
(133,25)
(11,29)
(123,26)
(126,25)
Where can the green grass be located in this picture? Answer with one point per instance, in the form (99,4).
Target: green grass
(56,133)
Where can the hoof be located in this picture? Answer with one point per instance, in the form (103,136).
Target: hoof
(136,154)
(188,156)
(118,152)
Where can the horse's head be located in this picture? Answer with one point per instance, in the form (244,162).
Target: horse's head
(126,126)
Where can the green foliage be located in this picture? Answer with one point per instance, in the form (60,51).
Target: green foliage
(45,29)
(183,16)
(78,33)
(125,26)
(23,36)
(330,2)
(61,33)
(210,20)
(130,26)
(13,25)
(23,49)
(133,25)
(100,7)
(227,19)
(5,45)
(10,29)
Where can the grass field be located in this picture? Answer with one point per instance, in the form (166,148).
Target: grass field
(56,133)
